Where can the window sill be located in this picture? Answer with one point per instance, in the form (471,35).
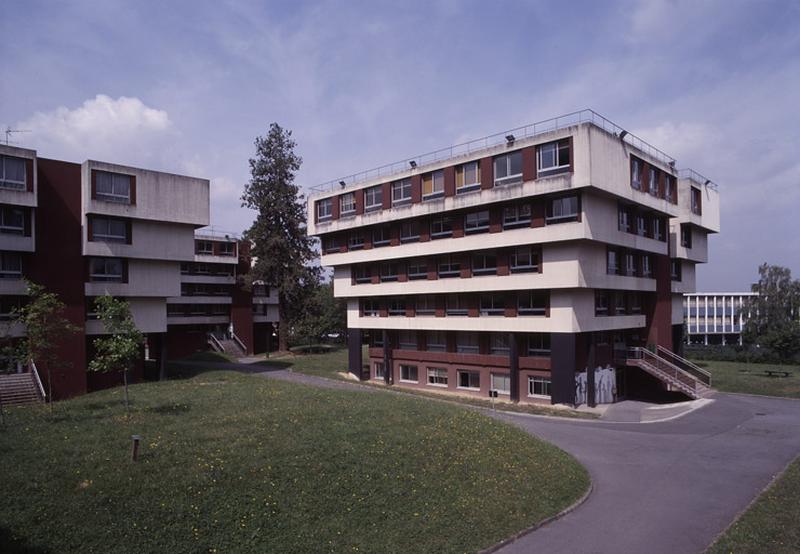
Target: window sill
(435,236)
(376,208)
(517,224)
(441,386)
(380,243)
(476,230)
(539,396)
(432,196)
(404,240)
(401,203)
(549,172)
(523,269)
(510,180)
(408,381)
(472,389)
(484,272)
(562,219)
(466,190)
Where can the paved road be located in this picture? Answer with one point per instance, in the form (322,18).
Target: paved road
(668,487)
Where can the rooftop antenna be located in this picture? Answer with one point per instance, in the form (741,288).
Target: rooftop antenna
(9,131)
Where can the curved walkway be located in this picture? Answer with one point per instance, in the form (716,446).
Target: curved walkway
(661,487)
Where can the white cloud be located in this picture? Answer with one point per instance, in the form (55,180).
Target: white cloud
(122,130)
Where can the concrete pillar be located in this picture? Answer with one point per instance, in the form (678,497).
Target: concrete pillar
(562,368)
(388,371)
(355,361)
(513,363)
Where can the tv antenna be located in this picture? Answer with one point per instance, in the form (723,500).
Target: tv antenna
(9,131)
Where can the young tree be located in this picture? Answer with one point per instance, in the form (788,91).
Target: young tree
(282,251)
(118,350)
(46,329)
(774,314)
(324,315)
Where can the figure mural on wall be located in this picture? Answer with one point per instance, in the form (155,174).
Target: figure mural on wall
(605,386)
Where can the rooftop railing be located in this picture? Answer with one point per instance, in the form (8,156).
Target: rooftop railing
(212,232)
(526,131)
(692,175)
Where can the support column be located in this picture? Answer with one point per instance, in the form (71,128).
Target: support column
(162,358)
(513,363)
(355,362)
(388,370)
(562,368)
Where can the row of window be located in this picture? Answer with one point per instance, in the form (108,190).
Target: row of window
(522,259)
(608,302)
(560,209)
(538,387)
(650,179)
(206,248)
(195,310)
(551,158)
(466,342)
(522,303)
(210,269)
(203,289)
(642,224)
(620,261)
(10,265)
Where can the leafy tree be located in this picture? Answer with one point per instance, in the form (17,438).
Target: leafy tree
(323,315)
(282,251)
(774,314)
(120,349)
(46,329)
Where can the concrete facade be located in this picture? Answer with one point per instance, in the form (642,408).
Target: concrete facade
(715,317)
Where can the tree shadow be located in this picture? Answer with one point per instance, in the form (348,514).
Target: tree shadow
(11,544)
(169,409)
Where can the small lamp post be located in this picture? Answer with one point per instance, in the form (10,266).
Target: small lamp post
(135,439)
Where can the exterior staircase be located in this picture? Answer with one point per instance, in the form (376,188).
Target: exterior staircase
(21,388)
(677,373)
(232,346)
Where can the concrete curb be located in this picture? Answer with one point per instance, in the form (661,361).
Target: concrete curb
(539,525)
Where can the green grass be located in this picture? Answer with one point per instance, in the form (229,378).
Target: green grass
(333,364)
(770,525)
(239,463)
(752,379)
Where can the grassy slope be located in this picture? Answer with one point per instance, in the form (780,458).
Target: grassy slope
(770,525)
(751,378)
(239,463)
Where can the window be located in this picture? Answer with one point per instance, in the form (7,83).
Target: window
(469,379)
(619,303)
(468,177)
(227,249)
(409,231)
(658,229)
(324,209)
(330,244)
(355,241)
(12,220)
(467,343)
(379,370)
(201,247)
(517,215)
(417,269)
(612,262)
(10,305)
(508,169)
(437,341)
(635,302)
(113,187)
(499,344)
(669,188)
(380,236)
(370,308)
(562,209)
(449,266)
(409,373)
(361,274)
(539,387)
(10,265)
(492,304)
(675,270)
(397,306)
(647,267)
(697,202)
(456,305)
(407,340)
(105,269)
(12,173)
(501,382)
(375,339)
(401,192)
(484,263)
(426,305)
(636,173)
(347,204)
(654,188)
(525,259)
(373,198)
(641,225)
(437,376)
(441,227)
(532,303)
(686,236)
(433,184)
(553,157)
(389,272)
(105,229)
(600,303)
(624,223)
(538,344)
(476,222)
(630,264)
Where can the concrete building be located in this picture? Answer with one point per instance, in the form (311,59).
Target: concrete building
(516,262)
(715,317)
(85,230)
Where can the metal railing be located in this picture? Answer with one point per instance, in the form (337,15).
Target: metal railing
(679,377)
(35,372)
(687,366)
(692,175)
(215,342)
(216,233)
(526,131)
(238,342)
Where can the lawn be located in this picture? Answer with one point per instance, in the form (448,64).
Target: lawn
(239,463)
(770,525)
(752,379)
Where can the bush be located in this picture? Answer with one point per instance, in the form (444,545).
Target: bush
(311,349)
(731,353)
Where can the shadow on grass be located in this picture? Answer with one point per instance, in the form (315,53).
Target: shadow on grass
(9,544)
(169,409)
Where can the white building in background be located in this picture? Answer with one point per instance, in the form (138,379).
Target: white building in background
(715,317)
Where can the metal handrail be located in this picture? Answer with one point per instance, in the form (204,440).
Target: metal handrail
(686,365)
(35,372)
(692,175)
(663,365)
(238,341)
(496,139)
(215,342)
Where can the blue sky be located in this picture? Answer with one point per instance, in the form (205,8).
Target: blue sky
(186,86)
